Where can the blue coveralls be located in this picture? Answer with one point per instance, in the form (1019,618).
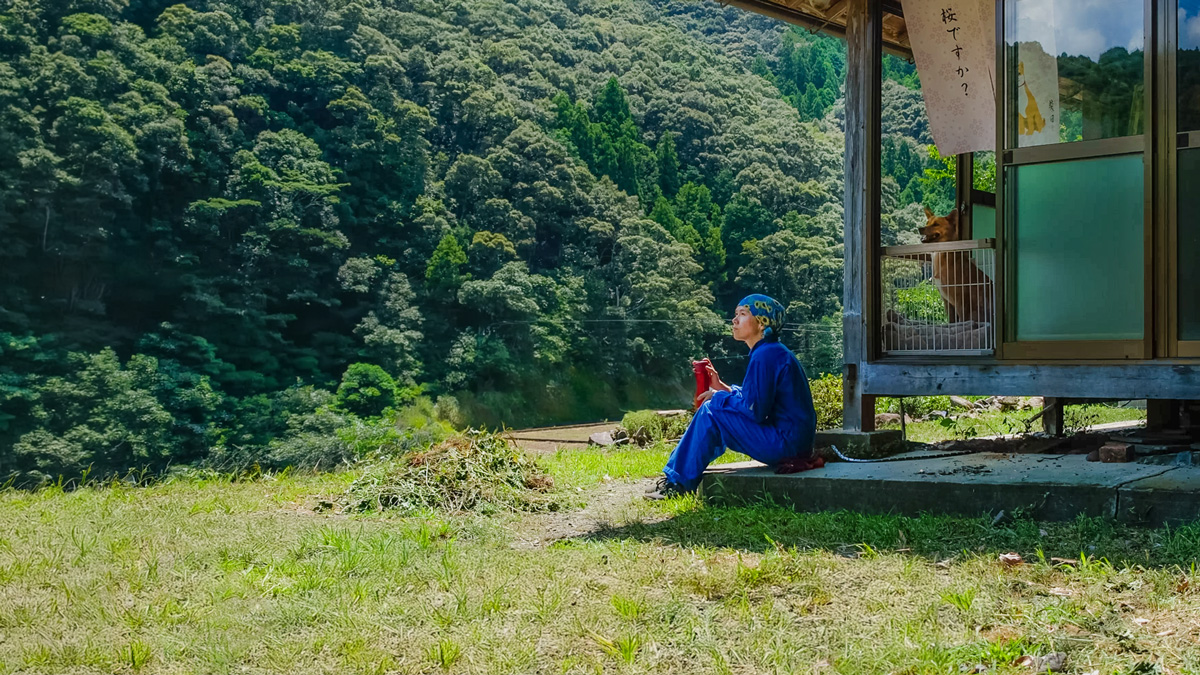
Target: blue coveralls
(770,418)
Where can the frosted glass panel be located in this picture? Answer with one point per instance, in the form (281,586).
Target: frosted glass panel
(1189,245)
(983,222)
(983,226)
(1078,242)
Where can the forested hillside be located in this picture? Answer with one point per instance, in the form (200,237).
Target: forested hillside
(227,223)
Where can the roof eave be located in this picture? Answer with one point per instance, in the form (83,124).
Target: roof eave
(794,12)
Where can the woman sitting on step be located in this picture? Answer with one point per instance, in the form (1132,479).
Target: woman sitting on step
(770,417)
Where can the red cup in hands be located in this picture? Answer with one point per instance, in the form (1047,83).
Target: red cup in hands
(700,370)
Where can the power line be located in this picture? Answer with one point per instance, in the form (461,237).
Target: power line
(789,327)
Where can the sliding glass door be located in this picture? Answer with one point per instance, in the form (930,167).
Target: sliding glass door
(1183,77)
(1075,179)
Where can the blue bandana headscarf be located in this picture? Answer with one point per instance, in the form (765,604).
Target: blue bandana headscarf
(767,311)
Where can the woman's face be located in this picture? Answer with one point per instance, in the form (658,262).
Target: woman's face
(745,326)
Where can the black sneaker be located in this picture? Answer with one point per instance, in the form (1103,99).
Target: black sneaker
(658,485)
(665,489)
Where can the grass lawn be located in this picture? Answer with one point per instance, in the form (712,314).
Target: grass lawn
(995,423)
(217,576)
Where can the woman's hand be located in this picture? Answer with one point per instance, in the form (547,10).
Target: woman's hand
(704,396)
(715,381)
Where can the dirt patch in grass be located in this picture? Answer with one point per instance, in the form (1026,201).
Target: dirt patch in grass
(607,504)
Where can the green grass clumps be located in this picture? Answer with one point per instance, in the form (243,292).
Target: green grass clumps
(647,426)
(198,575)
(473,471)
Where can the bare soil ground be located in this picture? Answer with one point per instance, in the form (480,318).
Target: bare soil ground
(615,502)
(549,439)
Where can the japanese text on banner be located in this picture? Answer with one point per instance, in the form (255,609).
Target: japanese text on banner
(954,43)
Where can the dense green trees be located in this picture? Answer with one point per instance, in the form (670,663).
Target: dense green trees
(534,210)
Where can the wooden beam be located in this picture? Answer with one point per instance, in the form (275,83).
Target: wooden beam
(837,9)
(864,53)
(894,28)
(938,246)
(1100,381)
(812,20)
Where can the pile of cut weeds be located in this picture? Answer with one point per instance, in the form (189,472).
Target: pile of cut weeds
(472,471)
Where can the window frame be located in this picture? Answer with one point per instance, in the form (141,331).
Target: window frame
(1009,348)
(1171,143)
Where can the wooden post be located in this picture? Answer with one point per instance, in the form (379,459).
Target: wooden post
(1162,413)
(964,176)
(864,51)
(1052,415)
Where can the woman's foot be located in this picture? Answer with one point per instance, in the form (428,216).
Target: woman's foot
(664,488)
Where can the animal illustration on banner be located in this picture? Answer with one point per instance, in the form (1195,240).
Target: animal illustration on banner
(1037,104)
(1033,92)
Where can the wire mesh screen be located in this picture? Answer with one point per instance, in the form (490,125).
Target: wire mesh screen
(939,298)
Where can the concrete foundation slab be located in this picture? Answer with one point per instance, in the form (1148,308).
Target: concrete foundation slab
(1172,497)
(1048,487)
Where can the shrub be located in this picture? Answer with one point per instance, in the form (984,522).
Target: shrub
(470,471)
(647,425)
(916,407)
(256,420)
(448,410)
(328,437)
(827,399)
(312,441)
(366,390)
(113,418)
(922,302)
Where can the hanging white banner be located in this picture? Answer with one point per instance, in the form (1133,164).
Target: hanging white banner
(1037,101)
(954,43)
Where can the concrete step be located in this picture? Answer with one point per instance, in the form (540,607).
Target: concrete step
(1046,487)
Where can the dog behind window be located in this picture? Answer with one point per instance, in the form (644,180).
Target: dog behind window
(965,288)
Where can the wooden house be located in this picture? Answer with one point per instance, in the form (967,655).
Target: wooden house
(1093,237)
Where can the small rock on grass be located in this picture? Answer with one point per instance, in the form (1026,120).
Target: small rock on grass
(1011,559)
(962,402)
(601,438)
(1052,662)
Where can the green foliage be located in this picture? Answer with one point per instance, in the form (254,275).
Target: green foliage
(809,71)
(668,165)
(366,390)
(444,272)
(471,471)
(243,200)
(325,436)
(787,264)
(961,601)
(648,426)
(112,417)
(914,406)
(922,302)
(937,182)
(1080,418)
(827,399)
